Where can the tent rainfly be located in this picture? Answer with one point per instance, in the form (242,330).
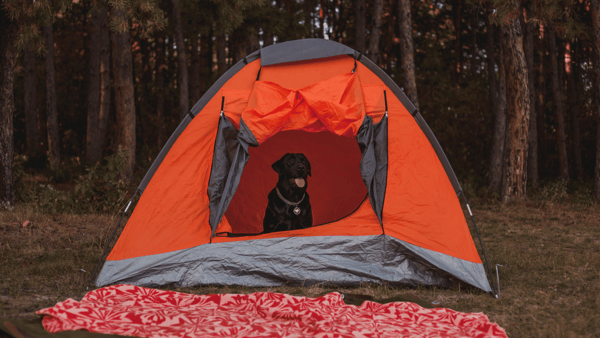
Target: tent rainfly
(385,199)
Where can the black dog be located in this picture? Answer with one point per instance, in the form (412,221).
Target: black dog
(289,204)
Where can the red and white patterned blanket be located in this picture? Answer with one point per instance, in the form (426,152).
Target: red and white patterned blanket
(136,311)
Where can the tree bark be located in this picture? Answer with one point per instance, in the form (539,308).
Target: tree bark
(491,64)
(122,65)
(206,60)
(532,161)
(182,80)
(8,55)
(499,137)
(574,108)
(514,178)
(360,26)
(308,19)
(457,11)
(194,70)
(541,98)
(596,47)
(267,38)
(51,113)
(407,51)
(375,32)
(31,114)
(99,86)
(322,15)
(160,89)
(221,54)
(560,114)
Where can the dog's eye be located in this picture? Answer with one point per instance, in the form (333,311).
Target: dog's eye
(303,161)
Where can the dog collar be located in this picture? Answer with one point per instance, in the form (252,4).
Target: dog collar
(295,204)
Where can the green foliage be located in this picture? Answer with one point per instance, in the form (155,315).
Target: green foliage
(99,190)
(31,16)
(226,15)
(144,14)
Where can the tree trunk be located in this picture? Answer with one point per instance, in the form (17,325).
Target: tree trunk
(221,54)
(541,98)
(308,20)
(491,64)
(457,11)
(560,114)
(8,55)
(205,66)
(514,178)
(407,52)
(361,25)
(322,15)
(160,89)
(499,137)
(51,113)
(573,91)
(473,62)
(92,150)
(375,32)
(182,80)
(31,114)
(532,161)
(194,70)
(141,86)
(105,85)
(122,65)
(596,46)
(267,38)
(99,86)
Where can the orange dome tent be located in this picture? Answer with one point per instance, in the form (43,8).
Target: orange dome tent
(384,197)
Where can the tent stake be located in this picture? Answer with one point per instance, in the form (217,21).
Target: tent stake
(110,240)
(480,242)
(498,277)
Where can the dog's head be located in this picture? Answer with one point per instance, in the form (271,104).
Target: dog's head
(293,168)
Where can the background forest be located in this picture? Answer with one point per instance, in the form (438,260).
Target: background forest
(102,84)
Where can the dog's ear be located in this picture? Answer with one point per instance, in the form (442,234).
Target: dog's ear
(308,166)
(278,165)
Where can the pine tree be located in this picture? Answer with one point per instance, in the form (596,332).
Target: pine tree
(514,178)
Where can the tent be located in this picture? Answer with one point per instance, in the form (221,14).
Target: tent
(385,199)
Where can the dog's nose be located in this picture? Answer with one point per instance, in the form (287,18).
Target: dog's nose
(301,167)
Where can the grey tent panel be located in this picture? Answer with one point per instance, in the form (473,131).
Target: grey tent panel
(296,261)
(231,160)
(372,140)
(225,152)
(300,50)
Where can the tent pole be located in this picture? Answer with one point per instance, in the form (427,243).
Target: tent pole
(480,242)
(111,238)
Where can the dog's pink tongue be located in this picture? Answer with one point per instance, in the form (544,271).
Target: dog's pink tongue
(299,182)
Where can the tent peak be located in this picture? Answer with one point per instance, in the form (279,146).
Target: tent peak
(300,50)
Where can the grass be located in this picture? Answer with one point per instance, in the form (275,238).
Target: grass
(550,252)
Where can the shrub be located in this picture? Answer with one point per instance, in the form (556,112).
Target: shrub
(101,189)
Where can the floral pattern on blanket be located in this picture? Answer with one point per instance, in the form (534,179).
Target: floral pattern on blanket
(142,312)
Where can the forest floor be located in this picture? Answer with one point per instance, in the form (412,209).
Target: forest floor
(549,279)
